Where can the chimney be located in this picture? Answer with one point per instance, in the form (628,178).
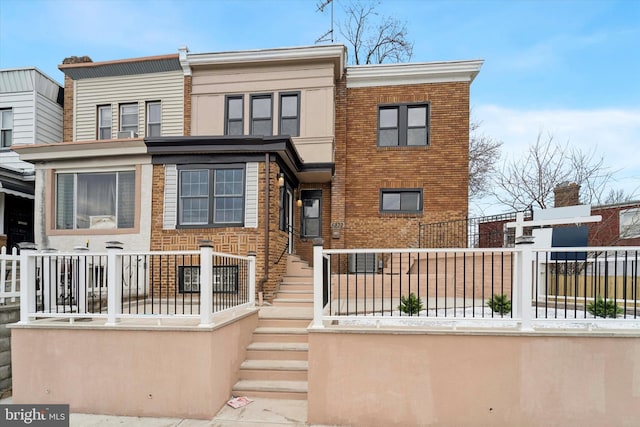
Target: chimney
(566,194)
(76,60)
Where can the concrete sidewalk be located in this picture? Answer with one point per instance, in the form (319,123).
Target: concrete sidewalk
(259,413)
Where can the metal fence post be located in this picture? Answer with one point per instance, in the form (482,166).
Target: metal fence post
(206,280)
(252,279)
(114,282)
(27,281)
(317,284)
(525,281)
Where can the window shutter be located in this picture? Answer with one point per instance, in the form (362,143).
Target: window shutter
(251,196)
(170,197)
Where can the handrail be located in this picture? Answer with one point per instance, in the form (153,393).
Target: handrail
(289,229)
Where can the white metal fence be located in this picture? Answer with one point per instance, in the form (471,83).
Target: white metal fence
(9,276)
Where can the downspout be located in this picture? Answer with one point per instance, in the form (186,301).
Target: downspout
(265,277)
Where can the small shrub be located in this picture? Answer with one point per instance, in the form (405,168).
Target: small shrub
(410,305)
(602,308)
(500,304)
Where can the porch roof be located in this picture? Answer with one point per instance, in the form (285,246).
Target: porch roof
(182,149)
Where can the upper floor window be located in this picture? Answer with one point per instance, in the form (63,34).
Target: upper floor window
(290,114)
(100,200)
(154,118)
(401,201)
(403,125)
(129,118)
(211,196)
(104,122)
(261,115)
(630,223)
(311,213)
(6,128)
(234,124)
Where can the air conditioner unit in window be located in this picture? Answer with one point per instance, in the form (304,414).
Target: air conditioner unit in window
(102,221)
(362,263)
(127,134)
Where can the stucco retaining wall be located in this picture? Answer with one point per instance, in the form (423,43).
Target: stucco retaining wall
(183,372)
(400,378)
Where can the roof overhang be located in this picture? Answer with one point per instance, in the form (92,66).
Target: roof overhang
(17,183)
(124,67)
(412,73)
(81,149)
(169,149)
(336,54)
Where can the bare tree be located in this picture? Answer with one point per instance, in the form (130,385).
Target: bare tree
(484,153)
(374,39)
(530,180)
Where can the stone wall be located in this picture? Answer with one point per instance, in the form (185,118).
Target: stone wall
(8,314)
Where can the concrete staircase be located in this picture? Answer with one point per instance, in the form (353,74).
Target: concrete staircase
(276,365)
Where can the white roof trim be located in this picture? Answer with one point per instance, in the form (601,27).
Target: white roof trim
(271,55)
(82,149)
(412,73)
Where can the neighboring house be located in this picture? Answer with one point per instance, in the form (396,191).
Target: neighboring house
(30,113)
(279,147)
(620,225)
(93,186)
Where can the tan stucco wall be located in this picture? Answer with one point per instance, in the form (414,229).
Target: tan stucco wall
(154,372)
(418,379)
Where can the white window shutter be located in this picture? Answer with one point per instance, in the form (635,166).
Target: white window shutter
(170,213)
(251,196)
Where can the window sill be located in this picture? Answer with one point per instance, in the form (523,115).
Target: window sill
(402,147)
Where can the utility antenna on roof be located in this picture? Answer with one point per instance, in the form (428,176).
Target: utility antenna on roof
(328,36)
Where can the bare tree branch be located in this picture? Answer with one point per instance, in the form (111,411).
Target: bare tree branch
(484,153)
(374,39)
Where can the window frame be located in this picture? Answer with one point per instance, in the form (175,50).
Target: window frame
(100,109)
(211,196)
(6,130)
(149,123)
(400,191)
(310,195)
(281,117)
(120,115)
(253,119)
(629,223)
(402,124)
(119,199)
(227,120)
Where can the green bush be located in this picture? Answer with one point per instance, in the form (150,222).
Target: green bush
(602,308)
(500,304)
(410,305)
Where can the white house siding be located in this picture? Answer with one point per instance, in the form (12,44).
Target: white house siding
(170,211)
(23,126)
(48,120)
(166,87)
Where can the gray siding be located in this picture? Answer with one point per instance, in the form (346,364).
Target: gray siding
(48,120)
(165,87)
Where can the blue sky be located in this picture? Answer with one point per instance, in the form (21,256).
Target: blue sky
(560,67)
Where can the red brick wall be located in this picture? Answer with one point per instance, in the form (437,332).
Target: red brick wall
(439,169)
(607,231)
(67,111)
(233,240)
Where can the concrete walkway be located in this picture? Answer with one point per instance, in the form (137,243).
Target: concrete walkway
(259,413)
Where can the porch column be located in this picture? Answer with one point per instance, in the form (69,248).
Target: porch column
(317,284)
(206,279)
(27,281)
(524,281)
(114,282)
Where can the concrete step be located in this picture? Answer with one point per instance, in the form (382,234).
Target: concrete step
(271,389)
(284,334)
(277,351)
(297,279)
(274,370)
(293,302)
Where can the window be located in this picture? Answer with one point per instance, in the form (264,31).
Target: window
(154,118)
(6,128)
(401,201)
(403,125)
(311,213)
(129,118)
(290,114)
(211,197)
(629,223)
(104,122)
(101,200)
(234,124)
(224,279)
(261,111)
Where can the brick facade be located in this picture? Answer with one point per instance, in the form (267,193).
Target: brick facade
(67,111)
(187,106)
(439,169)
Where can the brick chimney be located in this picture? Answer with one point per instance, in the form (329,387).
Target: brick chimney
(566,194)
